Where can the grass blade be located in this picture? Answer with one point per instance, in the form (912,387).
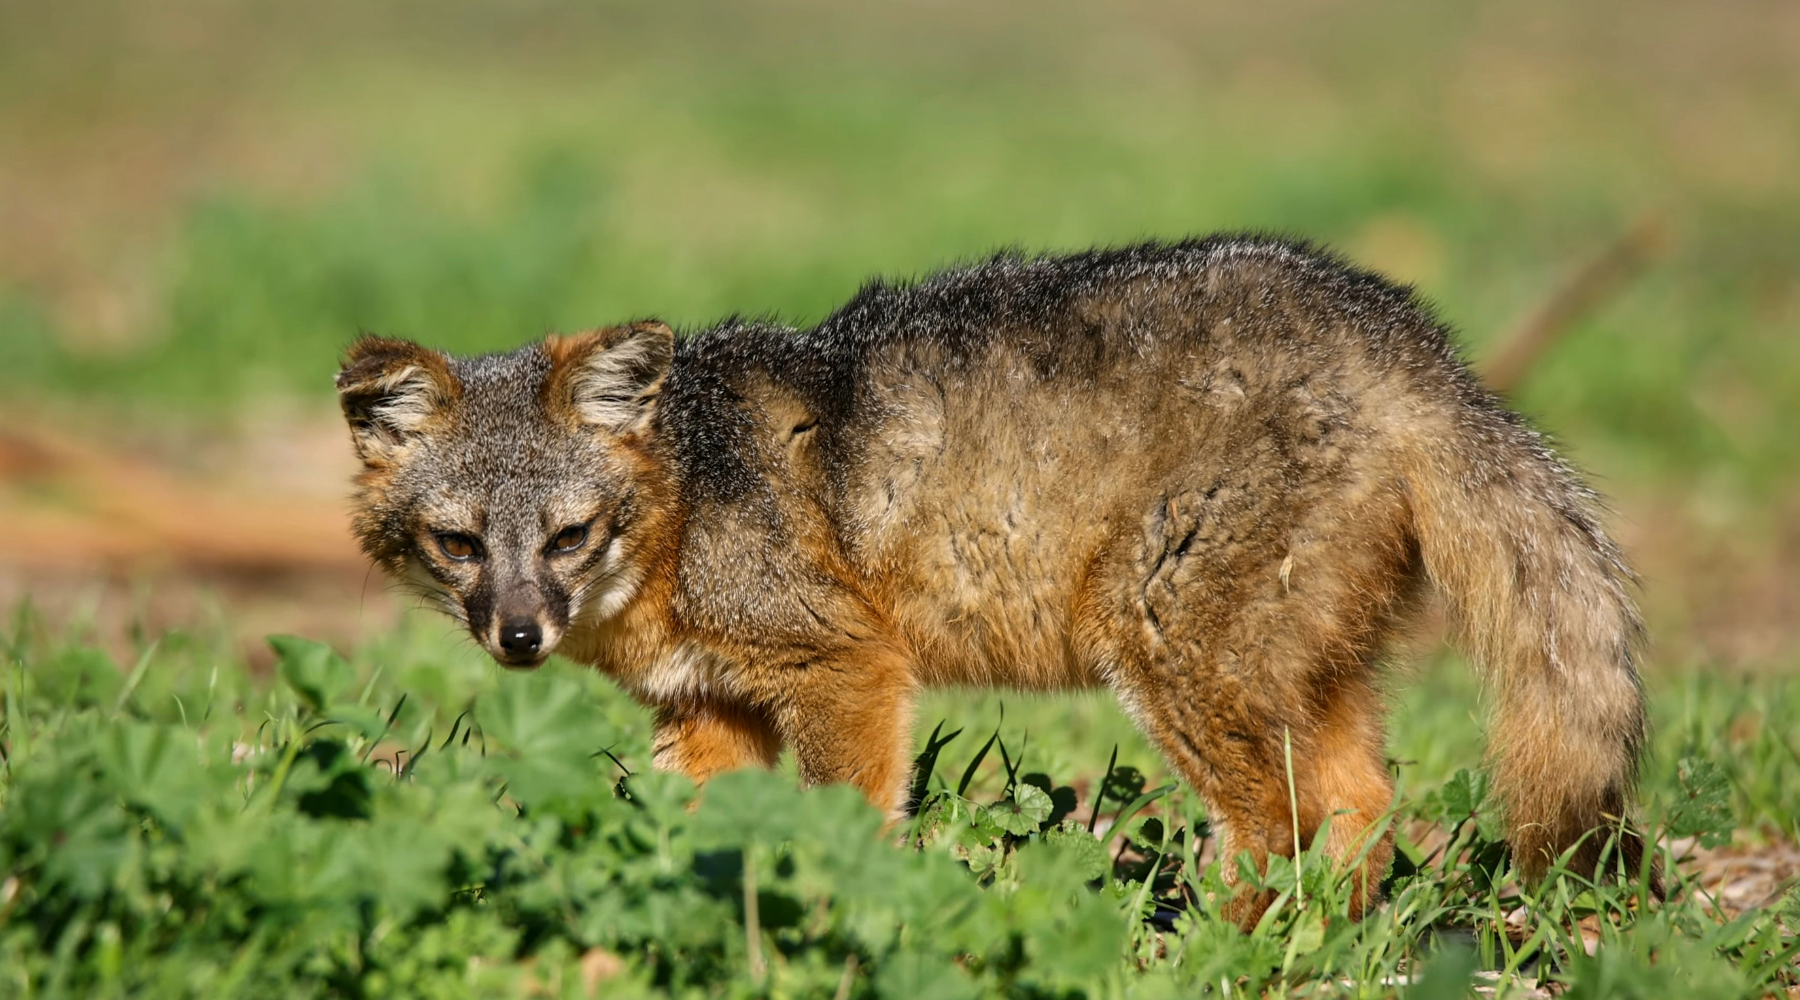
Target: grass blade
(924,765)
(384,729)
(1100,793)
(1137,805)
(137,676)
(968,776)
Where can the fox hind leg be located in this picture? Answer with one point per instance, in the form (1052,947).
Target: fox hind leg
(1271,714)
(1343,777)
(1226,750)
(1234,748)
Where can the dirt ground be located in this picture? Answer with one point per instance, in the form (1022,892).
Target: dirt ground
(208,535)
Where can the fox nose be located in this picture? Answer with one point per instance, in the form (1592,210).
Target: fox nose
(521,637)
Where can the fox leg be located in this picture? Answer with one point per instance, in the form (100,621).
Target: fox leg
(701,740)
(1231,727)
(1229,752)
(1344,777)
(1242,630)
(850,720)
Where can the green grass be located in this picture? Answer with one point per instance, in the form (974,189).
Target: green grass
(415,822)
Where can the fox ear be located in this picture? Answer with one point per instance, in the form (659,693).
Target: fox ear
(610,378)
(390,389)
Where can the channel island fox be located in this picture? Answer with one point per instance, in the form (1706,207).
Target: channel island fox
(1214,476)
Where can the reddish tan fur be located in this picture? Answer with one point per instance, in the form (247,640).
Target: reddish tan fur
(701,740)
(1215,478)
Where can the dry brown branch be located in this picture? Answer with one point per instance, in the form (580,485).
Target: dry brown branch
(68,504)
(1601,278)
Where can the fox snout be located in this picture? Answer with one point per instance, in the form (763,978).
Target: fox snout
(521,637)
(521,642)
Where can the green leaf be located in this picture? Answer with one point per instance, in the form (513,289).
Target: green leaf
(1490,827)
(1305,936)
(1702,808)
(328,780)
(1072,934)
(664,795)
(936,813)
(915,974)
(156,767)
(540,713)
(1084,852)
(1082,945)
(81,677)
(1024,812)
(360,719)
(1463,795)
(749,806)
(978,848)
(314,670)
(545,731)
(1449,975)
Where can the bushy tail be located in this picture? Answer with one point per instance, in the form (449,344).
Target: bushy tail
(1540,597)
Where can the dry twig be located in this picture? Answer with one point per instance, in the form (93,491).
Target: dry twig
(1602,277)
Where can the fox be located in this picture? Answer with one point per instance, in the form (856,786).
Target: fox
(1220,477)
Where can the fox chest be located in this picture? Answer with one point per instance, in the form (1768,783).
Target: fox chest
(687,673)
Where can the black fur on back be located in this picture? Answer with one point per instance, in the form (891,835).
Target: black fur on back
(957,311)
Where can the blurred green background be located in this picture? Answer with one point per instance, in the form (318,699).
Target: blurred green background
(202,201)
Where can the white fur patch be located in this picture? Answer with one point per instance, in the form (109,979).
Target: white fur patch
(615,584)
(614,595)
(690,672)
(430,591)
(408,400)
(1129,701)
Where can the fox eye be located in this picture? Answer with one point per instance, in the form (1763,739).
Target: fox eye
(458,547)
(569,539)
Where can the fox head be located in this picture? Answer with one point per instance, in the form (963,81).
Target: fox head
(517,491)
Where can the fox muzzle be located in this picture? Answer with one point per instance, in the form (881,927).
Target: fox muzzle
(521,642)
